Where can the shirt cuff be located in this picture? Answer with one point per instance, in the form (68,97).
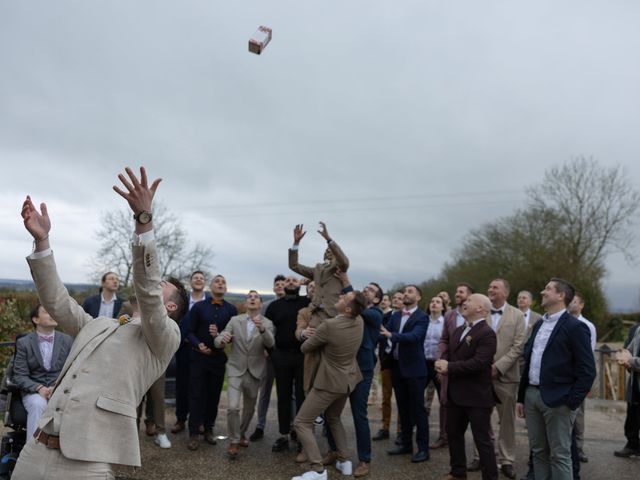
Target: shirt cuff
(144,238)
(40,254)
(294,248)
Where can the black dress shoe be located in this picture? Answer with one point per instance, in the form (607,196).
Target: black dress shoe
(280,445)
(421,456)
(257,434)
(382,434)
(507,471)
(474,466)
(627,452)
(399,451)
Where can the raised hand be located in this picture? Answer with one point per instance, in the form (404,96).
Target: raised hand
(343,277)
(37,223)
(213,330)
(298,233)
(258,323)
(324,232)
(226,337)
(139,194)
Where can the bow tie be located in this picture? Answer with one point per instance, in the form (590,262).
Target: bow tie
(496,312)
(45,339)
(405,313)
(217,302)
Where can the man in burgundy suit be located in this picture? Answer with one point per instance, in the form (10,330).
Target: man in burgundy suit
(452,320)
(467,363)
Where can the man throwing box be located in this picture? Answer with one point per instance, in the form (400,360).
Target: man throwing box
(90,421)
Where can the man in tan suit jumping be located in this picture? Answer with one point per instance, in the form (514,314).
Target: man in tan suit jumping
(337,375)
(249,334)
(90,421)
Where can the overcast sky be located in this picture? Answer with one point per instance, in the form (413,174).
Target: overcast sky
(401,124)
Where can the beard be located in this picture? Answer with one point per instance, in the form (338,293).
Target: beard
(292,291)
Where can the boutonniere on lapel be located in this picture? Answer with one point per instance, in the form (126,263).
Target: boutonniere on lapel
(124,319)
(468,339)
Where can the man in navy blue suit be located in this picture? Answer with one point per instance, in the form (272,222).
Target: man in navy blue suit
(559,371)
(406,333)
(106,303)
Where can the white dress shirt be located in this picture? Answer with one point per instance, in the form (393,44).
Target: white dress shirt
(432,338)
(592,331)
(469,326)
(106,308)
(540,343)
(496,317)
(405,316)
(46,349)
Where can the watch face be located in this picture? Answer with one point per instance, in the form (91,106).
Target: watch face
(144,218)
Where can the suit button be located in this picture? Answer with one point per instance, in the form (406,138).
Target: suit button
(66,390)
(58,409)
(74,376)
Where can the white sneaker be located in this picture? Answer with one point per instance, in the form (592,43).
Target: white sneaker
(312,475)
(162,441)
(346,467)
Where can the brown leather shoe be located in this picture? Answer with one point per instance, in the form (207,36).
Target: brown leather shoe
(362,470)
(150,429)
(244,442)
(193,443)
(232,451)
(302,458)
(439,443)
(178,427)
(330,458)
(210,438)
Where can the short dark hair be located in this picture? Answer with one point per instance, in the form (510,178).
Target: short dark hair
(34,313)
(562,286)
(256,292)
(580,296)
(279,278)
(358,303)
(416,287)
(104,276)
(180,298)
(504,282)
(195,272)
(467,286)
(379,292)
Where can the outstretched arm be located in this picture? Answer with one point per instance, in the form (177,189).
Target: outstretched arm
(341,259)
(298,234)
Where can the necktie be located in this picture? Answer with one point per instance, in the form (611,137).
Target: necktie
(42,338)
(494,312)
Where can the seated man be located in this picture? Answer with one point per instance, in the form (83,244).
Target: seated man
(249,335)
(40,356)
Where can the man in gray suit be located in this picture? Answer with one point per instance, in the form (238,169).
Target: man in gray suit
(90,421)
(40,356)
(249,335)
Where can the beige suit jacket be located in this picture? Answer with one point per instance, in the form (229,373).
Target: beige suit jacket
(247,353)
(328,287)
(110,366)
(510,335)
(339,339)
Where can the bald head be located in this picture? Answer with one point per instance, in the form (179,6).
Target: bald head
(475,307)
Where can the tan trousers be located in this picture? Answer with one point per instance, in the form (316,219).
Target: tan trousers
(507,394)
(387,392)
(314,404)
(154,405)
(247,386)
(37,462)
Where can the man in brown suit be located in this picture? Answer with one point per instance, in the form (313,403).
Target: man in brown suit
(337,375)
(508,323)
(327,287)
(467,362)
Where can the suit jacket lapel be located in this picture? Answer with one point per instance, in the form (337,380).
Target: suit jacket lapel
(57,346)
(36,348)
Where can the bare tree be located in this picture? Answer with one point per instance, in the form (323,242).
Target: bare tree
(598,205)
(176,258)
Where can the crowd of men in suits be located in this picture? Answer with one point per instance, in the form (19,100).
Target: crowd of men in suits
(322,349)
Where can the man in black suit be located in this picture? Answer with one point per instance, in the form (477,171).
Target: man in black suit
(40,356)
(406,331)
(558,373)
(106,303)
(466,361)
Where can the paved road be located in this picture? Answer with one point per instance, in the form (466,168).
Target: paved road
(604,434)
